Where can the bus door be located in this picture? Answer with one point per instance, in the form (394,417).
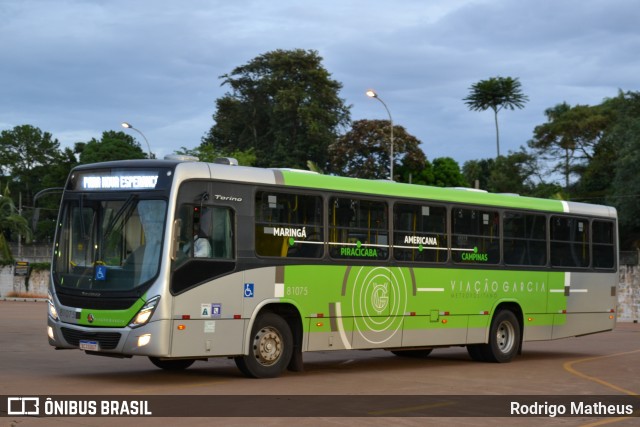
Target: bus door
(204,281)
(203,246)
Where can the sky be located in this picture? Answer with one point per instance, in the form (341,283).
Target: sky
(77,68)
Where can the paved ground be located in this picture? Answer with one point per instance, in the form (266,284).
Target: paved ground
(601,364)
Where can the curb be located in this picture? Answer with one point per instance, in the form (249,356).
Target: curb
(17,299)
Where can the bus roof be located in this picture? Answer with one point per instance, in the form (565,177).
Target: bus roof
(454,195)
(385,188)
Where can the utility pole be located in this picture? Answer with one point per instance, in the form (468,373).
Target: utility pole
(20,234)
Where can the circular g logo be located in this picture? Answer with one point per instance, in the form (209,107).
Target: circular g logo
(380,297)
(378,301)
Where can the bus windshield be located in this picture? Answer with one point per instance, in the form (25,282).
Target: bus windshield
(108,245)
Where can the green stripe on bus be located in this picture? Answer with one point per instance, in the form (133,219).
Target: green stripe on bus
(378,297)
(110,318)
(400,190)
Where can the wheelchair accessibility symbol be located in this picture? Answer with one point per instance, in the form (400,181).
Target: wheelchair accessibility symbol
(248,290)
(101,272)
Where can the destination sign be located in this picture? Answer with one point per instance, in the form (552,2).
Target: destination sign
(120,179)
(124,182)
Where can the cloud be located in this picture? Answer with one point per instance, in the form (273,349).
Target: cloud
(76,68)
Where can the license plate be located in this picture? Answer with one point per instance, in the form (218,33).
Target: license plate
(89,345)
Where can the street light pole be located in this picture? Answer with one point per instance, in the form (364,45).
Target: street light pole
(372,94)
(128,126)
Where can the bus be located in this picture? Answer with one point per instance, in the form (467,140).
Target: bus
(180,260)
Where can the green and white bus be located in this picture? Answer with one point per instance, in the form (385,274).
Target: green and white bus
(180,260)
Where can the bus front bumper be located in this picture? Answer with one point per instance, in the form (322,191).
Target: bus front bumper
(151,339)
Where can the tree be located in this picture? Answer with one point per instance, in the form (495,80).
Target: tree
(24,151)
(25,147)
(208,153)
(112,146)
(596,176)
(446,173)
(283,105)
(625,193)
(416,176)
(10,222)
(363,152)
(496,93)
(624,136)
(570,134)
(478,171)
(32,160)
(513,174)
(45,209)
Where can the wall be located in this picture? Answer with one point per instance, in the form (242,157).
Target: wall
(629,293)
(12,285)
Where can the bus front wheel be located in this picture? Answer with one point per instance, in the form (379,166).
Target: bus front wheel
(504,340)
(271,348)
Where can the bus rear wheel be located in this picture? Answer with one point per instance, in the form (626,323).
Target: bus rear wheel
(172,365)
(271,348)
(504,340)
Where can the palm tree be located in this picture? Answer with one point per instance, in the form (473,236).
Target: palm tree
(12,221)
(496,93)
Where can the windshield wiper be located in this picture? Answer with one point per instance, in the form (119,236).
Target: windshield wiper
(124,209)
(83,231)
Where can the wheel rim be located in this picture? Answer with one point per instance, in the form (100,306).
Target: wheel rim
(267,346)
(505,337)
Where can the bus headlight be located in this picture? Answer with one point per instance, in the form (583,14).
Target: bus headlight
(144,340)
(53,313)
(145,313)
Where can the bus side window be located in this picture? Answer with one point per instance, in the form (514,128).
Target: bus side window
(569,242)
(419,233)
(475,235)
(216,224)
(289,225)
(358,229)
(525,239)
(204,238)
(206,230)
(604,250)
(194,241)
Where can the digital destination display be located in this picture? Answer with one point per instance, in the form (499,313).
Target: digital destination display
(120,180)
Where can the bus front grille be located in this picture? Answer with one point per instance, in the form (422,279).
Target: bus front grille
(106,340)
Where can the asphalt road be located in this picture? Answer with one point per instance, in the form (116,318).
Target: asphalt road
(605,364)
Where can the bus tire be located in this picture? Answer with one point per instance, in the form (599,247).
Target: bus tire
(418,354)
(271,348)
(172,365)
(504,338)
(476,351)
